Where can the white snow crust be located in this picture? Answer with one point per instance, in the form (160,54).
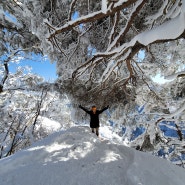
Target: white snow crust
(78,157)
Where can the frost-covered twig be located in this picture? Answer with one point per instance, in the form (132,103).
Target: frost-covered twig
(114,28)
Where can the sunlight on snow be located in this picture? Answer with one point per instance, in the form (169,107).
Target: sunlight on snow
(36,148)
(89,162)
(80,151)
(56,147)
(110,156)
(18,2)
(74,151)
(107,133)
(50,124)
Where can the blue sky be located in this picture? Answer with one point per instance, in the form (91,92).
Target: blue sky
(38,64)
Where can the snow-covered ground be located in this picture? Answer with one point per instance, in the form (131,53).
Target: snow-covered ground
(78,157)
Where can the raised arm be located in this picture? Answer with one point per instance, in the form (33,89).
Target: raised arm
(100,111)
(83,108)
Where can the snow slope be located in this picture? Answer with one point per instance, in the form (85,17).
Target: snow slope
(78,157)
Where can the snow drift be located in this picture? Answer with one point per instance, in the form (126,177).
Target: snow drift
(78,157)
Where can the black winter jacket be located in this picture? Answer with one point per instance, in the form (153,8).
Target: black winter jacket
(94,118)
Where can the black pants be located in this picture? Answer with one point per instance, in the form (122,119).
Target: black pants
(95,129)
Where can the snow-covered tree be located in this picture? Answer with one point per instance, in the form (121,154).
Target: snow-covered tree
(107,53)
(31,109)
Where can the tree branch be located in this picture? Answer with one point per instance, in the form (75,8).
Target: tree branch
(179,132)
(91,17)
(128,24)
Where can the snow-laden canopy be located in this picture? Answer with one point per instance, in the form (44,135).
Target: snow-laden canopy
(102,48)
(107,53)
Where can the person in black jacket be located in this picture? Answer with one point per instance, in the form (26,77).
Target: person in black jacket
(94,117)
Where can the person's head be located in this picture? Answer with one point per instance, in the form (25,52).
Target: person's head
(93,108)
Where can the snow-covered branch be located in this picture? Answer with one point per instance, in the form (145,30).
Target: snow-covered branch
(122,33)
(92,17)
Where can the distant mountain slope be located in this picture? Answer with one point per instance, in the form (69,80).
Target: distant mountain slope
(78,157)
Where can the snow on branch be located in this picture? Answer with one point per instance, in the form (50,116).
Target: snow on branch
(165,32)
(158,34)
(121,47)
(122,33)
(177,112)
(153,18)
(176,75)
(91,17)
(113,31)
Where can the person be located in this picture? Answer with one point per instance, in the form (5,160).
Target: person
(94,117)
